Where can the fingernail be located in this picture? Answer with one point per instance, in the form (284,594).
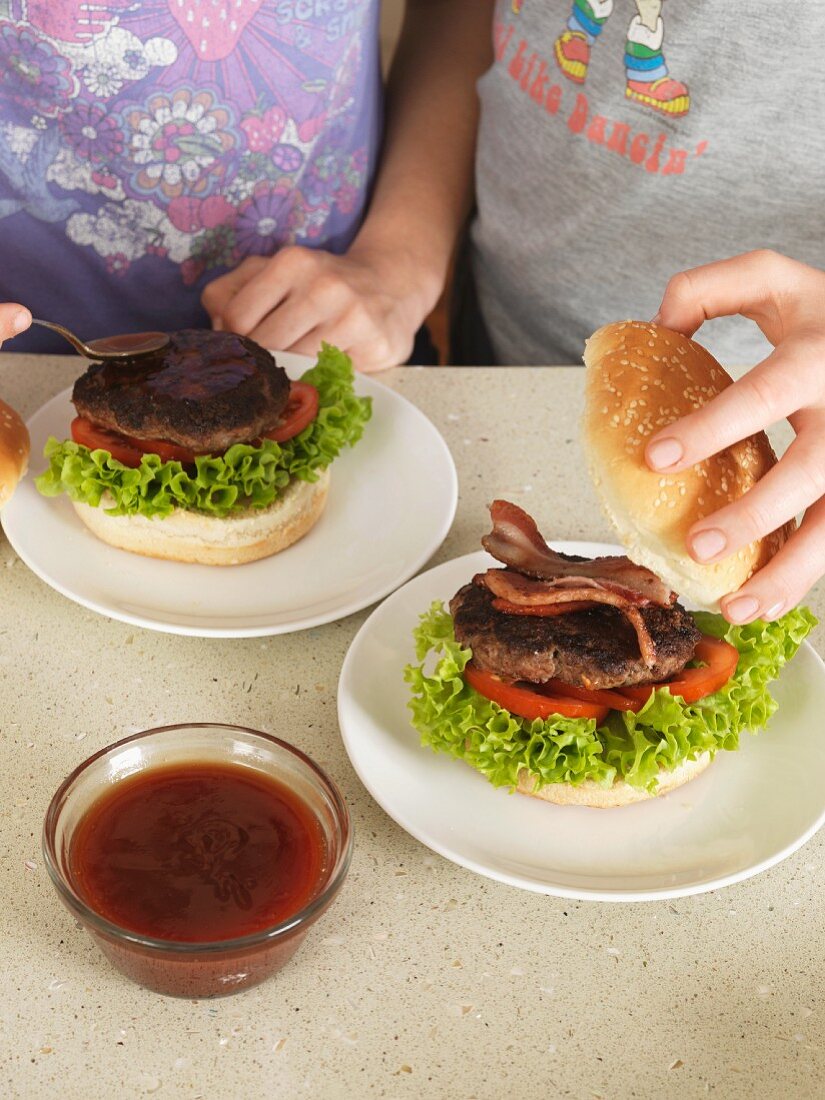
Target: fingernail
(657,320)
(775,611)
(217,324)
(664,453)
(707,544)
(21,321)
(743,609)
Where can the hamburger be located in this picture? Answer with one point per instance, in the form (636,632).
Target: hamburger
(204,451)
(588,681)
(14,451)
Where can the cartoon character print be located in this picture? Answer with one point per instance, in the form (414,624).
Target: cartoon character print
(242,138)
(648,80)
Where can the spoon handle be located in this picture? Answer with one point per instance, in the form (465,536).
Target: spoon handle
(64,332)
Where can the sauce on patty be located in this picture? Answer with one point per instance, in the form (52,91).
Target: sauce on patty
(193,366)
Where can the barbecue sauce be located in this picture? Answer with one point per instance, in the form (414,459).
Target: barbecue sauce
(195,366)
(198,852)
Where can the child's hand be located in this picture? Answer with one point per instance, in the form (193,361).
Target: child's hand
(14,319)
(361,302)
(787,300)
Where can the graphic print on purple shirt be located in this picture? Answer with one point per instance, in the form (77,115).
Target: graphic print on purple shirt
(147,146)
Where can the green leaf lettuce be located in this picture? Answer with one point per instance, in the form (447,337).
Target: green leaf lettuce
(453,718)
(244,477)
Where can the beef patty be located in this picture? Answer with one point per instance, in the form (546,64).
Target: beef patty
(205,390)
(596,648)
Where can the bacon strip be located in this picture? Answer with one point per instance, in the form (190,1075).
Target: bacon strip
(544,611)
(647,647)
(505,582)
(522,595)
(516,541)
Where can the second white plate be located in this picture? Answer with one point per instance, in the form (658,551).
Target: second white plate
(748,811)
(391,503)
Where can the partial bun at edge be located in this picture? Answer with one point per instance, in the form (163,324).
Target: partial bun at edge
(620,794)
(640,378)
(14,451)
(209,540)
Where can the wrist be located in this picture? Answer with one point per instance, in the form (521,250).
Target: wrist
(414,273)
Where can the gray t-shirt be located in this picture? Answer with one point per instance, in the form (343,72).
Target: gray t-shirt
(622,141)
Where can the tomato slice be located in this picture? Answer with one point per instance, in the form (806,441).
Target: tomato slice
(301,409)
(543,611)
(720,661)
(169,452)
(600,697)
(527,702)
(89,435)
(125,448)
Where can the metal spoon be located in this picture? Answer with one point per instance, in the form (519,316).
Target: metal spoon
(111,347)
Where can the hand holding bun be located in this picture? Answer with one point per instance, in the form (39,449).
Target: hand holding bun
(640,379)
(14,451)
(786,299)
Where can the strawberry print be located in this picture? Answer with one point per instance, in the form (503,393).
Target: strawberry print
(264,130)
(213,28)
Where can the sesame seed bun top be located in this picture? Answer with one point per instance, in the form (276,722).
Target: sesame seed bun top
(640,378)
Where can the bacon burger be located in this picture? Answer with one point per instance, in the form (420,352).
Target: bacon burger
(585,680)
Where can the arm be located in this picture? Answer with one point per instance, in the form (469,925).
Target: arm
(424,191)
(371,300)
(787,300)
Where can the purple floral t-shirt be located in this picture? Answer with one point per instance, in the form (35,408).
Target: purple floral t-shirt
(147,146)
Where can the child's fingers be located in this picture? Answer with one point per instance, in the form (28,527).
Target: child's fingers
(787,380)
(746,285)
(289,270)
(14,319)
(219,293)
(370,345)
(785,580)
(324,299)
(797,482)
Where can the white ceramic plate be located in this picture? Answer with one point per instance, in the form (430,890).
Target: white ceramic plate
(391,503)
(748,811)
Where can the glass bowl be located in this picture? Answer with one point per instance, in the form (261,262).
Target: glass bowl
(196,969)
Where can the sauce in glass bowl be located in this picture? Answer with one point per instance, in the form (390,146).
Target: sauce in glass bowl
(198,852)
(198,856)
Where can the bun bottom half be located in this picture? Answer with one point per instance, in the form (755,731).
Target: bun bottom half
(209,540)
(14,451)
(620,794)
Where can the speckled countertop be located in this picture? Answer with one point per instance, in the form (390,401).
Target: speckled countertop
(424,980)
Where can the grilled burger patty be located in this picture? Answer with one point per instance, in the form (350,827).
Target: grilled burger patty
(205,391)
(596,648)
